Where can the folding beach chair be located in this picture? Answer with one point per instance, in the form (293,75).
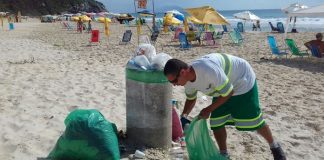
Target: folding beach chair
(275,49)
(94,36)
(280,27)
(240,27)
(127,36)
(273,29)
(184,44)
(177,31)
(294,49)
(315,51)
(210,39)
(237,40)
(225,28)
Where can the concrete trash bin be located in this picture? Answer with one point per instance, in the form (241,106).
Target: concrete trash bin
(148,109)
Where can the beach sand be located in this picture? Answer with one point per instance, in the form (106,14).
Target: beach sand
(47,71)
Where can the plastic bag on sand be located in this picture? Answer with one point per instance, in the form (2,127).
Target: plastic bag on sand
(88,136)
(176,126)
(199,143)
(142,61)
(160,60)
(146,49)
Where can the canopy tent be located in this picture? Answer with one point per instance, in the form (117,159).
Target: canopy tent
(247,16)
(316,11)
(178,15)
(207,15)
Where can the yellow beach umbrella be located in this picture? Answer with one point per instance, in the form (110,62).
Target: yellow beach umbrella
(186,26)
(207,15)
(75,18)
(106,27)
(103,19)
(85,18)
(194,20)
(170,20)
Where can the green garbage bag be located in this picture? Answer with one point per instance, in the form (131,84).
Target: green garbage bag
(88,136)
(199,143)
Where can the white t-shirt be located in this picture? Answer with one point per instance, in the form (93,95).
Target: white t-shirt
(218,74)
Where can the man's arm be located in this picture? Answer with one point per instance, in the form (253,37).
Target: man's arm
(189,104)
(308,45)
(204,113)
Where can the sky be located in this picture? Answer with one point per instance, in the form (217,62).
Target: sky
(127,6)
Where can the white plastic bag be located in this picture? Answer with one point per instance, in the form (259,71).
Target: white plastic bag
(159,61)
(142,61)
(146,49)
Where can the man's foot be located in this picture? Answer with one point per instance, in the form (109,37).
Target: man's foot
(278,153)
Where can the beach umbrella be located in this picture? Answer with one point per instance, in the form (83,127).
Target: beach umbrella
(293,7)
(103,19)
(85,18)
(178,15)
(75,18)
(194,20)
(185,25)
(207,15)
(168,19)
(246,15)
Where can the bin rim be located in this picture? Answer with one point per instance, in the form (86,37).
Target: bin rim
(146,76)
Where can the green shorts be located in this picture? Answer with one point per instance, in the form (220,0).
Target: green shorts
(243,111)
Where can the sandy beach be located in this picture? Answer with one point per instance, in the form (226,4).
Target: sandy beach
(47,71)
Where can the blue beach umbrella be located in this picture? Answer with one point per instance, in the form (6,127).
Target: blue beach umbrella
(178,15)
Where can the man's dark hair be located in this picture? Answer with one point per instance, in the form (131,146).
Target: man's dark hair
(319,35)
(174,66)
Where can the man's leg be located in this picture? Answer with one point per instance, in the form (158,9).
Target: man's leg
(221,136)
(265,132)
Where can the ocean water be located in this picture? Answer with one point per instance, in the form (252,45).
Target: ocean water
(303,24)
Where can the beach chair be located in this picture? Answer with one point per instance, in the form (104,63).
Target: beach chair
(240,27)
(210,39)
(184,44)
(275,49)
(218,35)
(237,40)
(225,28)
(273,29)
(280,27)
(127,36)
(294,49)
(177,31)
(94,36)
(315,51)
(154,37)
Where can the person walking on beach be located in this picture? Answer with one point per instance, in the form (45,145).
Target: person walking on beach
(318,43)
(232,83)
(80,25)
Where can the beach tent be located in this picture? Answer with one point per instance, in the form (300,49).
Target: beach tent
(178,15)
(246,16)
(207,15)
(316,11)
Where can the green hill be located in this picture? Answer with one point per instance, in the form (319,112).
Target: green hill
(43,7)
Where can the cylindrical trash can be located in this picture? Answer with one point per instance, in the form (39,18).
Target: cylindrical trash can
(148,109)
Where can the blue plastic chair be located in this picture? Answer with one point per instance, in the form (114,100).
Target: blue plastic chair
(225,28)
(184,44)
(240,26)
(274,48)
(315,51)
(280,27)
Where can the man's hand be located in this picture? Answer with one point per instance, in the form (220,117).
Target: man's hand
(204,113)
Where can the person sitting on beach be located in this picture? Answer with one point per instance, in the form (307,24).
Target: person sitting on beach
(318,42)
(191,35)
(232,83)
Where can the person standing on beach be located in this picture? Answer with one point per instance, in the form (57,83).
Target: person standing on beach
(318,43)
(232,83)
(80,25)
